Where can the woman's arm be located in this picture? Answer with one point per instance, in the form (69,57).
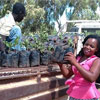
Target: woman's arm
(66,70)
(90,75)
(93,73)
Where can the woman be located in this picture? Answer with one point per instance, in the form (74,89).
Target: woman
(85,69)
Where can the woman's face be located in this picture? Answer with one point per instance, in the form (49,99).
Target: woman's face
(90,47)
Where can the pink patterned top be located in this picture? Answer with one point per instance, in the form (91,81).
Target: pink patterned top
(80,88)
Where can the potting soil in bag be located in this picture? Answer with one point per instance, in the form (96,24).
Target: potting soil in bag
(69,49)
(14,59)
(0,58)
(35,58)
(24,58)
(45,58)
(10,59)
(58,54)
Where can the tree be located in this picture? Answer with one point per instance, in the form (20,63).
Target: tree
(84,9)
(34,19)
(47,12)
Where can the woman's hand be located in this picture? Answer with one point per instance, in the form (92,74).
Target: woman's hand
(71,58)
(60,64)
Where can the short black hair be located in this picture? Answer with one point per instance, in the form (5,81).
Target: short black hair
(94,36)
(18,8)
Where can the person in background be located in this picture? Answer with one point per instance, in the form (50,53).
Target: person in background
(84,70)
(9,28)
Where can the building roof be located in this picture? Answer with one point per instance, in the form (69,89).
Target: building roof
(93,25)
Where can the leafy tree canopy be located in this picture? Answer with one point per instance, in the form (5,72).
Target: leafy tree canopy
(42,12)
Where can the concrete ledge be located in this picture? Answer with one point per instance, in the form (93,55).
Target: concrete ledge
(46,86)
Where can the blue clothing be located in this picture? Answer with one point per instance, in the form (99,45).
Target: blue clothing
(12,31)
(15,33)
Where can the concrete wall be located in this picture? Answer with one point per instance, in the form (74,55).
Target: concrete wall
(38,83)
